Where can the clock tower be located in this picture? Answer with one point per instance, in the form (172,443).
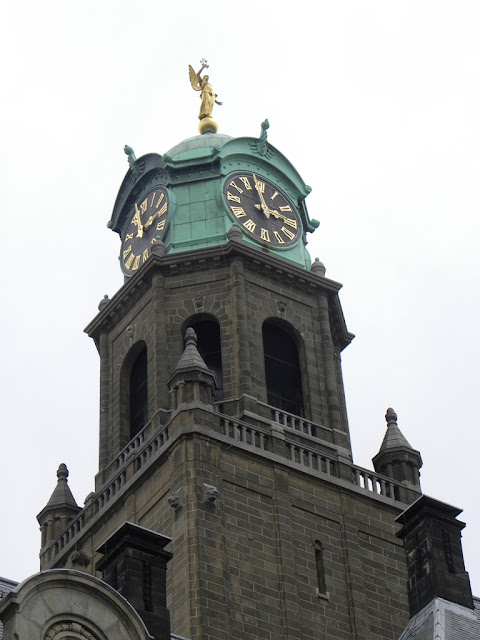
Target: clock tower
(224,447)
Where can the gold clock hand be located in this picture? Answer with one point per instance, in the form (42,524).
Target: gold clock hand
(274,212)
(139,222)
(150,220)
(262,199)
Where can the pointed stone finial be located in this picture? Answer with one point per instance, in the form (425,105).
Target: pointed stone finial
(62,473)
(190,337)
(62,496)
(391,416)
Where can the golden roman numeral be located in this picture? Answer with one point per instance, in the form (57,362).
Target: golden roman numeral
(163,209)
(246,182)
(153,198)
(161,225)
(274,196)
(260,186)
(136,264)
(131,258)
(287,207)
(290,222)
(129,236)
(145,255)
(264,235)
(143,206)
(162,195)
(238,212)
(288,233)
(279,238)
(234,186)
(127,251)
(250,225)
(232,197)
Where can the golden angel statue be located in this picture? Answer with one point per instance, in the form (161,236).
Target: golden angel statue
(207,95)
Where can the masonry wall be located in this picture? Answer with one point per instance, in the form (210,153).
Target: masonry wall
(245,567)
(240,298)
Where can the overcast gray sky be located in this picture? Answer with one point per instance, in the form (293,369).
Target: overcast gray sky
(377,105)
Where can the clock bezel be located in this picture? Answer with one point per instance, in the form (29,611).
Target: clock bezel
(144,193)
(273,184)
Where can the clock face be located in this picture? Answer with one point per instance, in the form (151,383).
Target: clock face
(147,221)
(263,211)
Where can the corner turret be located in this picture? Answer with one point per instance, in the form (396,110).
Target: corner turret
(59,510)
(192,380)
(397,459)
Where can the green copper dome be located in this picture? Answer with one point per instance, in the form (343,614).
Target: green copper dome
(197,147)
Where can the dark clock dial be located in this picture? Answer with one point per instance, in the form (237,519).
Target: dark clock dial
(262,210)
(147,221)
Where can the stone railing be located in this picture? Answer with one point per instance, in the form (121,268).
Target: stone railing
(312,459)
(133,446)
(75,527)
(292,421)
(375,483)
(138,453)
(245,433)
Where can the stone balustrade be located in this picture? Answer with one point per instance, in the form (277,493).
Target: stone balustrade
(292,421)
(133,446)
(245,433)
(135,452)
(138,453)
(312,459)
(375,483)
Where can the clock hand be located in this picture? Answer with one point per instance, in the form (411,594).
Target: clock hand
(139,222)
(274,212)
(265,209)
(150,220)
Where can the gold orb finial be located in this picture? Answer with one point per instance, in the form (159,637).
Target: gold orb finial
(207,125)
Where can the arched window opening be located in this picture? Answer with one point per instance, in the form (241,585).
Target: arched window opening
(138,393)
(321,585)
(282,370)
(210,348)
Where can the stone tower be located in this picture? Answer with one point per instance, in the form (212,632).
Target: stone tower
(223,426)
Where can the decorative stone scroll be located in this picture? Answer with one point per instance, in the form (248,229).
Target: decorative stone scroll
(69,630)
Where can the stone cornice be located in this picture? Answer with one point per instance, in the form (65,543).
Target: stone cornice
(220,255)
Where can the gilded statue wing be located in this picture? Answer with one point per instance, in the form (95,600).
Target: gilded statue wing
(195,79)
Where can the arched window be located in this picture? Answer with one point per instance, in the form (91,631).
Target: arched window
(210,348)
(138,393)
(282,370)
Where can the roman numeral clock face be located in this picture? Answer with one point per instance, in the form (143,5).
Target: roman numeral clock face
(261,210)
(147,221)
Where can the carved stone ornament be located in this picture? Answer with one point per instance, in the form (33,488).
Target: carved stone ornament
(71,630)
(176,500)
(210,494)
(199,301)
(281,306)
(80,558)
(130,331)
